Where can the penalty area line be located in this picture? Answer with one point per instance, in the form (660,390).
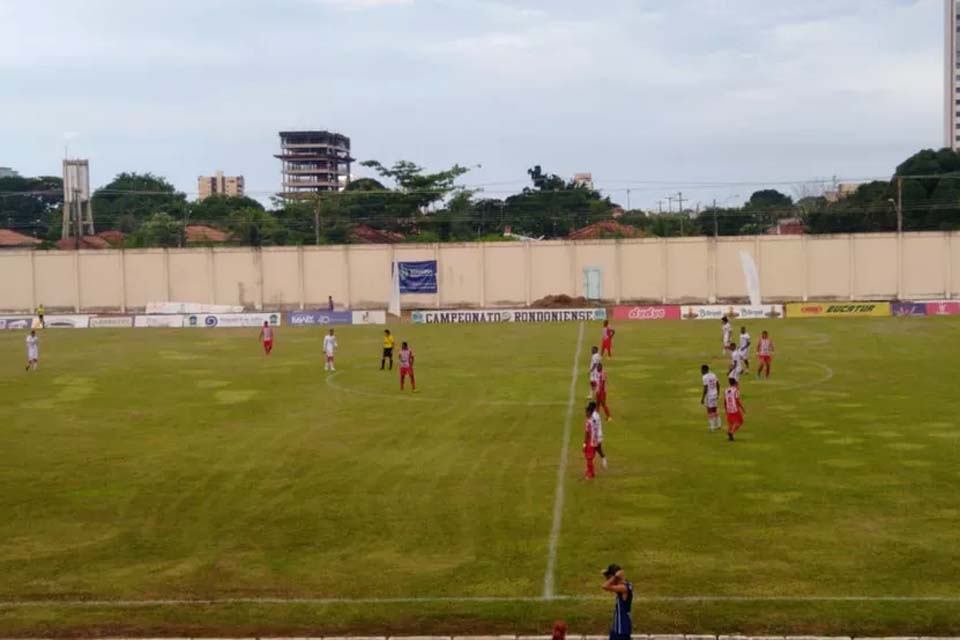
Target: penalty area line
(199,602)
(561,475)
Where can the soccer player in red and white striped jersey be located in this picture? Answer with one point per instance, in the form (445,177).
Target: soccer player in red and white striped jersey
(606,346)
(406,366)
(765,351)
(734,408)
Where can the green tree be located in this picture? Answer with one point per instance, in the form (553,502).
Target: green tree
(129,199)
(553,207)
(256,227)
(160,230)
(32,206)
(216,210)
(416,190)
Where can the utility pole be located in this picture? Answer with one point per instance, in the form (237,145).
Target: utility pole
(660,206)
(899,204)
(680,201)
(669,204)
(628,199)
(77,218)
(716,224)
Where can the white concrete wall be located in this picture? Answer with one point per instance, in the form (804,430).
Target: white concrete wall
(846,267)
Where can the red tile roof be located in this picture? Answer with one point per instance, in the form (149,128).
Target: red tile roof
(11,238)
(368,235)
(86,242)
(203,233)
(605,229)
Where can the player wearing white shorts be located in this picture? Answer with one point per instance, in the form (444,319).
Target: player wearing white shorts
(595,359)
(736,363)
(33,351)
(710,397)
(727,334)
(329,347)
(596,426)
(745,348)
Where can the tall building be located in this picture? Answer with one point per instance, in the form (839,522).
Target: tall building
(7,172)
(77,207)
(219,185)
(951,77)
(313,162)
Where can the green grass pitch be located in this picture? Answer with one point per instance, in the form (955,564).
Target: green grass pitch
(171,465)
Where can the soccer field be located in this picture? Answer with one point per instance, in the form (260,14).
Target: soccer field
(142,469)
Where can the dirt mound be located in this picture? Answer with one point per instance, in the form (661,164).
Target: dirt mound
(564,302)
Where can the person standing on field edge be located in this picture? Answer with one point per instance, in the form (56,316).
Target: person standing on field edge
(623,589)
(40,311)
(330,303)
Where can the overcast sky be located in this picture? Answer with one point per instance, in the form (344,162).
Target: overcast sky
(634,91)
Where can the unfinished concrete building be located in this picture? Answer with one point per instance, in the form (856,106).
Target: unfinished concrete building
(313,162)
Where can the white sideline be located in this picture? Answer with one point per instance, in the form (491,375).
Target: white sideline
(561,475)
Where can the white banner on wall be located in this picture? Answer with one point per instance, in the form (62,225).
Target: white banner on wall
(369,317)
(463,316)
(158,321)
(111,321)
(66,322)
(731,311)
(211,320)
(170,308)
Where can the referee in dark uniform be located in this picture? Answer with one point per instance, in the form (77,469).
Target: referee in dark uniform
(623,590)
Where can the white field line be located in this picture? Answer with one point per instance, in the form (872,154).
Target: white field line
(562,474)
(188,602)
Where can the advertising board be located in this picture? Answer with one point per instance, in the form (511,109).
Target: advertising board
(66,322)
(314,318)
(111,321)
(230,320)
(167,322)
(646,312)
(180,308)
(838,309)
(943,308)
(369,317)
(908,309)
(731,311)
(16,322)
(468,316)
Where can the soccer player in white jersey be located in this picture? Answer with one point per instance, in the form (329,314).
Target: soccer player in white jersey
(745,348)
(33,351)
(329,347)
(596,424)
(595,359)
(727,334)
(710,397)
(736,363)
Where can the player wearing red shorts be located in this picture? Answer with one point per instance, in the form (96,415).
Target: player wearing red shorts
(765,352)
(406,366)
(734,408)
(601,396)
(606,346)
(266,337)
(589,444)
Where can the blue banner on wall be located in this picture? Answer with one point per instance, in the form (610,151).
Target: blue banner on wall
(311,318)
(418,277)
(908,309)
